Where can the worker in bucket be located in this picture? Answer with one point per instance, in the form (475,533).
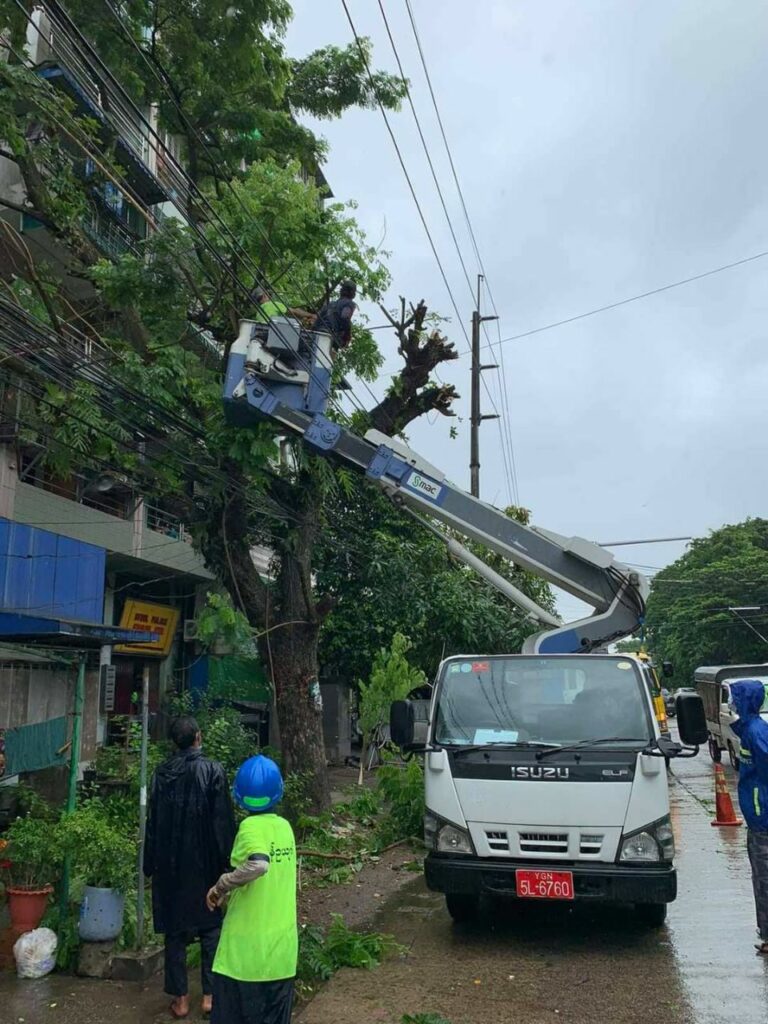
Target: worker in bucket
(255,963)
(335,318)
(747,698)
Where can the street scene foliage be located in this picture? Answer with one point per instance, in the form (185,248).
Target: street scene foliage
(688,619)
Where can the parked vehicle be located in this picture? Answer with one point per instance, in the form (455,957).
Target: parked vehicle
(544,779)
(713,683)
(670,703)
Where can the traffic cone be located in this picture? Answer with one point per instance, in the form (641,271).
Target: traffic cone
(723,803)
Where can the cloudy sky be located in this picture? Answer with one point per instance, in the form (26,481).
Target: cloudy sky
(605,148)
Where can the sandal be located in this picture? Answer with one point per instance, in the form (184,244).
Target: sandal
(175,1013)
(762,949)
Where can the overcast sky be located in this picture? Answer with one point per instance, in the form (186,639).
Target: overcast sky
(604,149)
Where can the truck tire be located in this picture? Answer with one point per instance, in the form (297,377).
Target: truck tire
(462,907)
(714,750)
(652,915)
(732,757)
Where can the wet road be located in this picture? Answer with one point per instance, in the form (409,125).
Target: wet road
(527,962)
(543,964)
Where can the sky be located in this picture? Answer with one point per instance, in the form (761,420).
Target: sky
(604,149)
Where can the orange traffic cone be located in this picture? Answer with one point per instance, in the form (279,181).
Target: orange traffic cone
(723,803)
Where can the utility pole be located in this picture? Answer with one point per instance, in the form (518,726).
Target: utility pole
(476,417)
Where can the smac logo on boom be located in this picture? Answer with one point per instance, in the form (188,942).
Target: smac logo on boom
(536,772)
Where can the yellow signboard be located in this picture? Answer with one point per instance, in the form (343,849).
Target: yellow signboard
(149,618)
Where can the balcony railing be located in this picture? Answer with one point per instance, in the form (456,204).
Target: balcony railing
(163,522)
(109,236)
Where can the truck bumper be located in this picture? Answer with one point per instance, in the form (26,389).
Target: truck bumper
(607,883)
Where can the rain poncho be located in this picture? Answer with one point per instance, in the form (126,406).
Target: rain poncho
(748,696)
(190,832)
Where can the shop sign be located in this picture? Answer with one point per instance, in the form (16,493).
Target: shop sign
(152,618)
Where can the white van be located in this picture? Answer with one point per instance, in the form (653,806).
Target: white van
(713,684)
(545,779)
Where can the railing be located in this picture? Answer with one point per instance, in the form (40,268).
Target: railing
(163,522)
(107,234)
(137,132)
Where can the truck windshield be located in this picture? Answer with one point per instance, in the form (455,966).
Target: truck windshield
(537,699)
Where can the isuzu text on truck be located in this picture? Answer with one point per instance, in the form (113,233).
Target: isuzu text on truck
(545,771)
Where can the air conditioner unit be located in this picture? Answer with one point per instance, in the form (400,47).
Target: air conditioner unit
(190,630)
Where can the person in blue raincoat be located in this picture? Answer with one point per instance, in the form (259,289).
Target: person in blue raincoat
(747,697)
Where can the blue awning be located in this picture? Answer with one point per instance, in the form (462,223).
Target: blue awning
(15,626)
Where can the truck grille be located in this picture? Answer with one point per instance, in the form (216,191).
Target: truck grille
(544,842)
(498,841)
(590,845)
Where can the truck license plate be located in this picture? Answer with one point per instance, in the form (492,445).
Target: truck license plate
(545,885)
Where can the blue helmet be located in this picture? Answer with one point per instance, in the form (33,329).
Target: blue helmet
(258,785)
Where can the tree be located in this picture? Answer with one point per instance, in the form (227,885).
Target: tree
(164,312)
(688,619)
(386,574)
(392,678)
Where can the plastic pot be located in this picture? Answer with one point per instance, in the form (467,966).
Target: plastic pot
(27,906)
(101,914)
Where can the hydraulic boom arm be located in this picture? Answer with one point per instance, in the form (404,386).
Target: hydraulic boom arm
(281,374)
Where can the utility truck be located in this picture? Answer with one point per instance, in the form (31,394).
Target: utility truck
(544,771)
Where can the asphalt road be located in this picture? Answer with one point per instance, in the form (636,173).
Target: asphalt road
(538,964)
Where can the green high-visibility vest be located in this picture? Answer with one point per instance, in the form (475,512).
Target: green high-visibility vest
(269,310)
(259,938)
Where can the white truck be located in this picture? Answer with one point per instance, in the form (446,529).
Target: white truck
(545,771)
(545,778)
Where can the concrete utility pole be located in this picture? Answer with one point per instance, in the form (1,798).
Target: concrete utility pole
(476,417)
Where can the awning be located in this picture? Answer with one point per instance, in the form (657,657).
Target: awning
(15,626)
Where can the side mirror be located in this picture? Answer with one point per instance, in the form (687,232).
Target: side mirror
(667,669)
(691,719)
(409,724)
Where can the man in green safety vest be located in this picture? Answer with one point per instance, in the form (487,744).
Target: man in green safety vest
(269,308)
(255,963)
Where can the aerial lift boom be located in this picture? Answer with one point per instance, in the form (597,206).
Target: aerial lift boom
(281,373)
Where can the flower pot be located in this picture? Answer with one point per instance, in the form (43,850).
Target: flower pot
(101,914)
(27,906)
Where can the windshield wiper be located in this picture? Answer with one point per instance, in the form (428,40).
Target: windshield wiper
(525,744)
(590,743)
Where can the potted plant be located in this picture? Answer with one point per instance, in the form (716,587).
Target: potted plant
(31,865)
(103,858)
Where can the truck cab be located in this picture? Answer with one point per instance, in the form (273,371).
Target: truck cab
(544,779)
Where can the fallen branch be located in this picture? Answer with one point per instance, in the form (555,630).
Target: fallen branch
(400,842)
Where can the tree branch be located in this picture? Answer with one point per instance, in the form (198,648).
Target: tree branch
(412,393)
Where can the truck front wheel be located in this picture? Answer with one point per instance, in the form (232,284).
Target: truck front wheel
(652,915)
(462,907)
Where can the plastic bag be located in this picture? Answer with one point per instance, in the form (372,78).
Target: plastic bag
(35,953)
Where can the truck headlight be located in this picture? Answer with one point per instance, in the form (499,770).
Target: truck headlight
(652,844)
(641,847)
(451,839)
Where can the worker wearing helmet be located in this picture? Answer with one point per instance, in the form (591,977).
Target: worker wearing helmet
(255,963)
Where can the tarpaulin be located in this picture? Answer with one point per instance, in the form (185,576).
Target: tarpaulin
(29,748)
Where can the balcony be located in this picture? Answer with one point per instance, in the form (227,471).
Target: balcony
(135,534)
(147,156)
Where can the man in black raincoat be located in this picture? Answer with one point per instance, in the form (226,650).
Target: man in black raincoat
(190,832)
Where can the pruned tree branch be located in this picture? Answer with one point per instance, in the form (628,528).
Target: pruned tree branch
(412,393)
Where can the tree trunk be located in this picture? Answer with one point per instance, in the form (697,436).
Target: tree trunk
(291,655)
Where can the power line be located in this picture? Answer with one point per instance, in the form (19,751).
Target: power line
(505,425)
(374,87)
(631,298)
